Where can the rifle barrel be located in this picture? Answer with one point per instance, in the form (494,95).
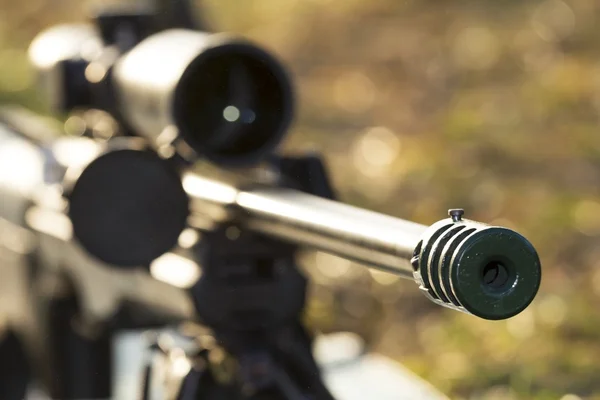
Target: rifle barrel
(492,272)
(365,236)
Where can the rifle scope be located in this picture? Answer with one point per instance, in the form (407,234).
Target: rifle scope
(228,100)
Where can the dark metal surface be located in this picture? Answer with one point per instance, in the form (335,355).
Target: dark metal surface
(491,272)
(139,206)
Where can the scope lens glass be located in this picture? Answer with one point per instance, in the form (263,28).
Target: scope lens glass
(233,102)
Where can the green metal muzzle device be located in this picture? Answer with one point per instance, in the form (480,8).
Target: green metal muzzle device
(491,272)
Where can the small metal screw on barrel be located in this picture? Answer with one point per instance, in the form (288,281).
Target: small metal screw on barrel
(456,214)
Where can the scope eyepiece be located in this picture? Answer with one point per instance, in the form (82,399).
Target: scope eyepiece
(128,207)
(232,102)
(229,100)
(491,272)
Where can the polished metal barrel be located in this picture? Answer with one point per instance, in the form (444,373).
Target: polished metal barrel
(364,236)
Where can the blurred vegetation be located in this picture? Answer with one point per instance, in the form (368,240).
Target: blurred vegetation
(420,106)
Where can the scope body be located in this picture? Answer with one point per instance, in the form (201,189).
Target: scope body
(213,95)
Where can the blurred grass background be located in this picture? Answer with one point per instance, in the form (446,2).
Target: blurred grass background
(421,106)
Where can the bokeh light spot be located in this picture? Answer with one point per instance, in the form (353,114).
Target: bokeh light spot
(383,278)
(522,326)
(453,365)
(586,217)
(354,92)
(188,238)
(553,20)
(75,125)
(476,48)
(570,397)
(552,310)
(375,151)
(231,113)
(331,266)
